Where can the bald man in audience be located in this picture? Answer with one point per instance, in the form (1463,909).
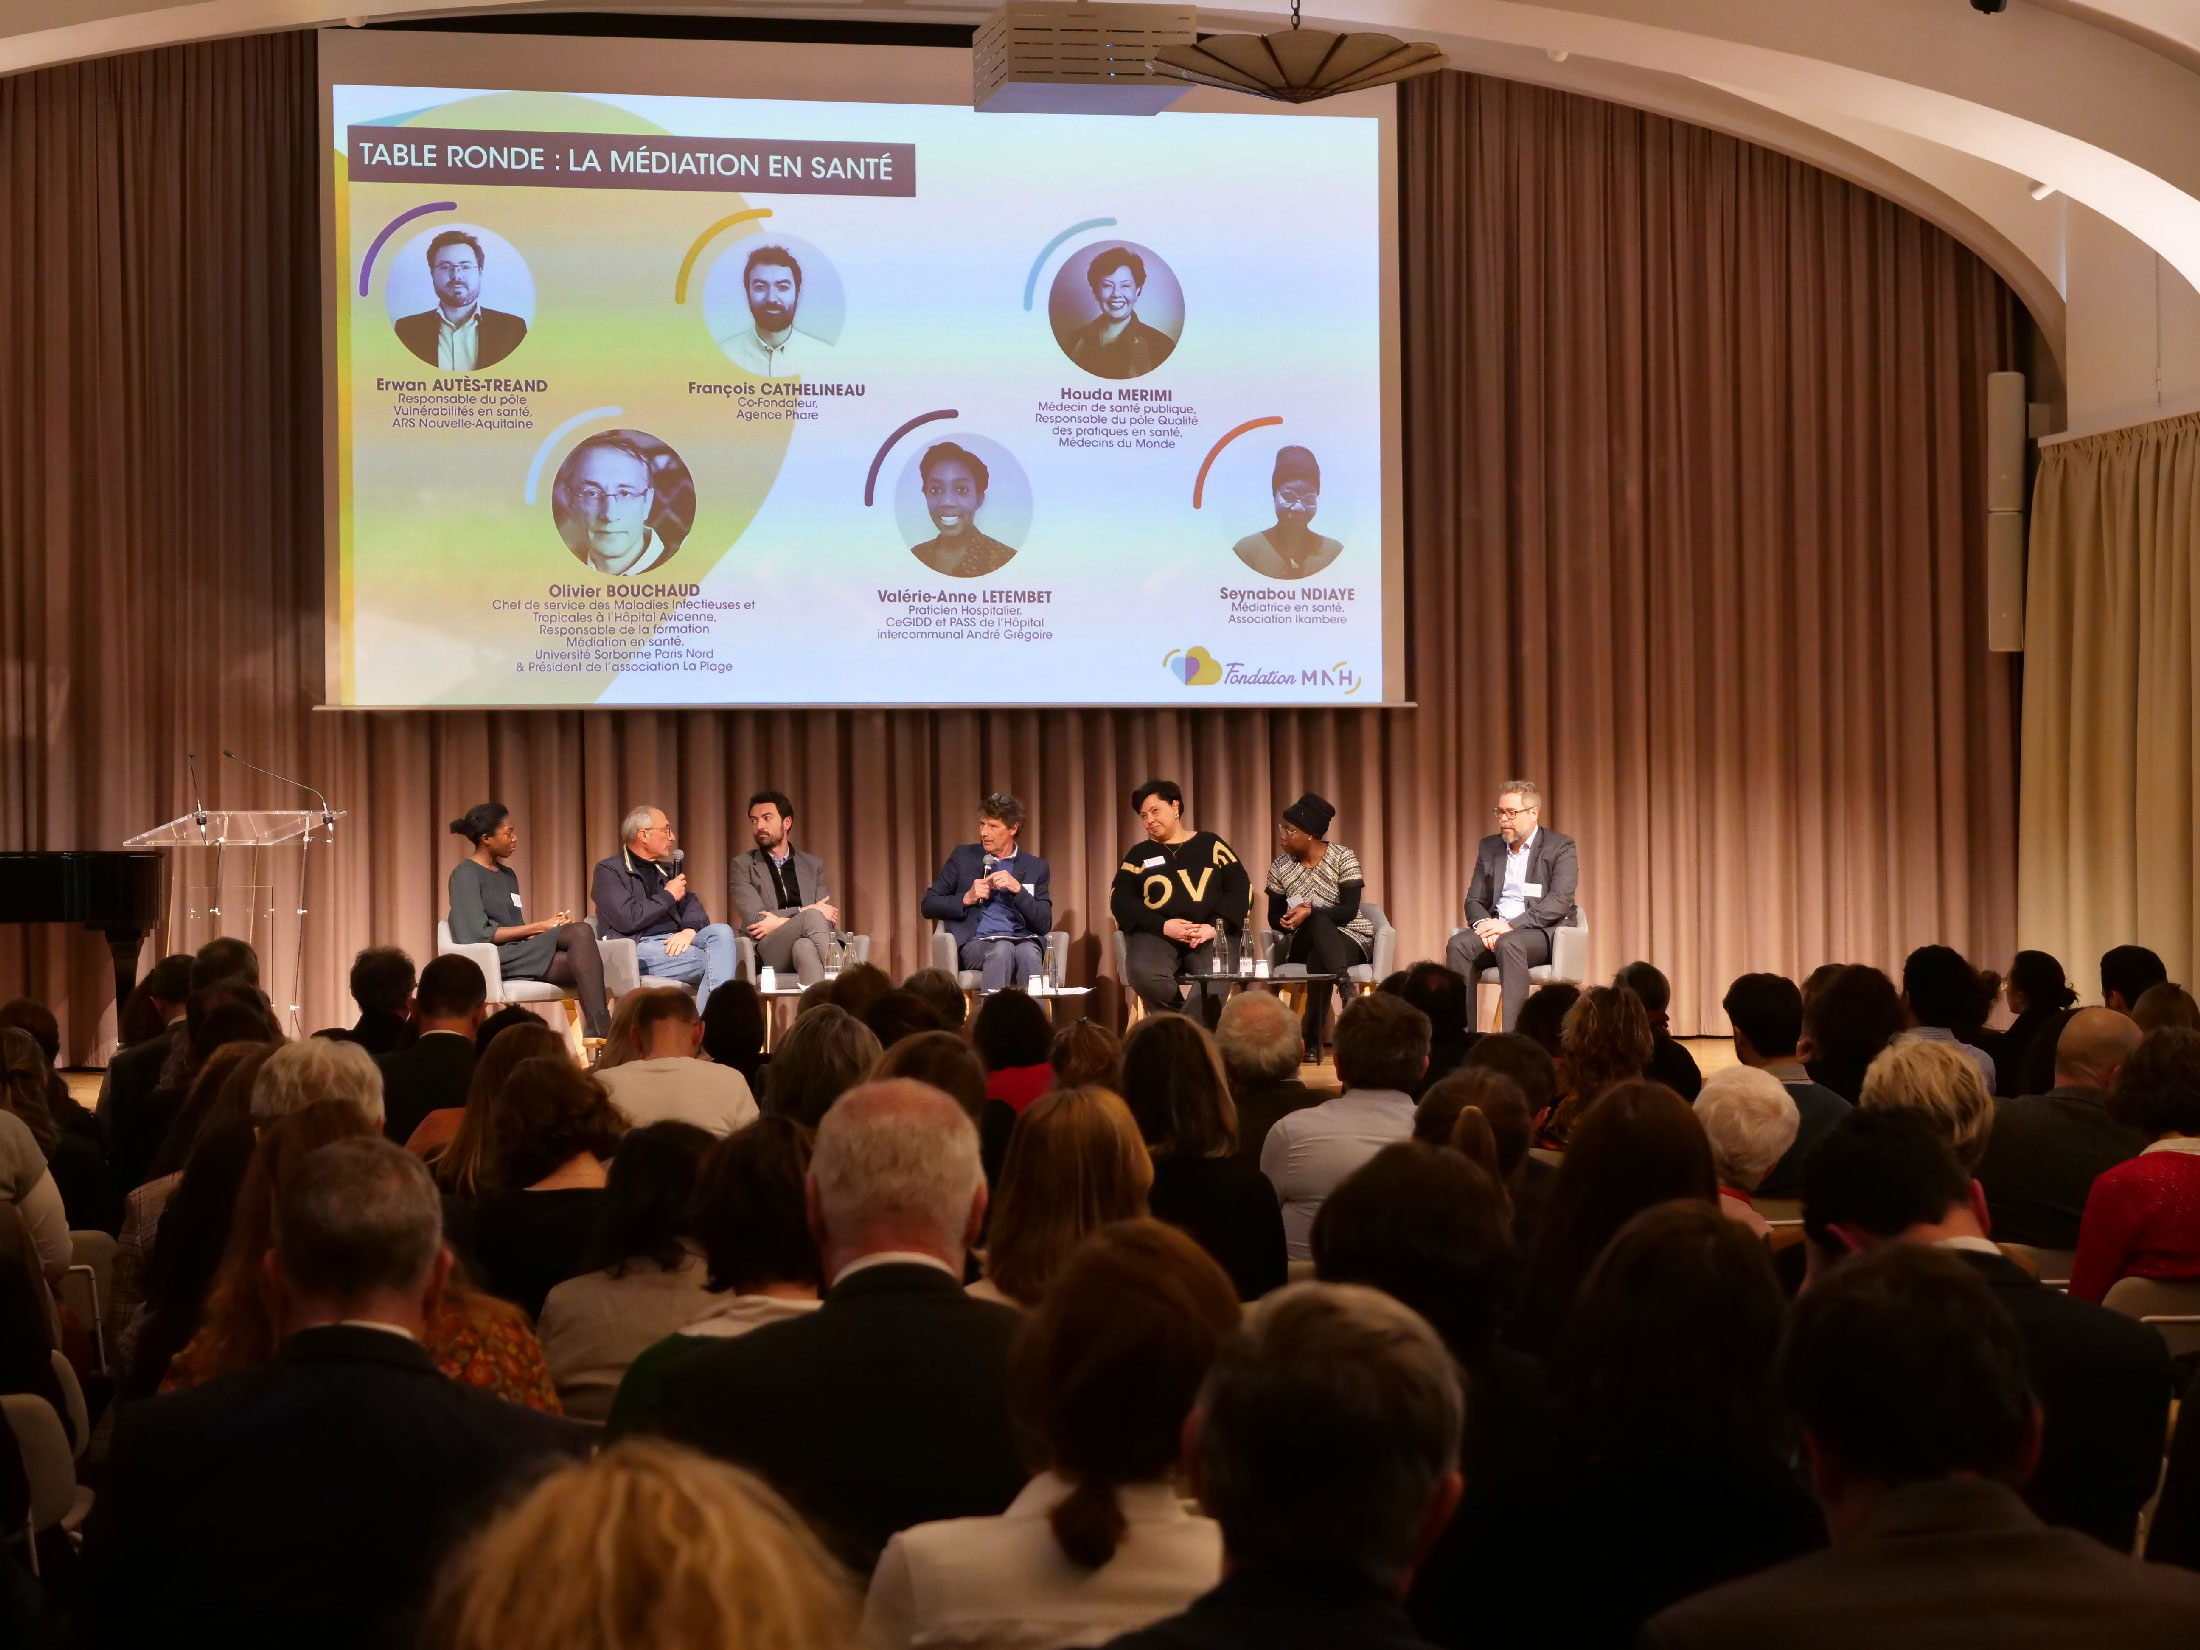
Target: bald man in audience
(2046,1149)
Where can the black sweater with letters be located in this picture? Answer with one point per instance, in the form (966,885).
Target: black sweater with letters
(1198,879)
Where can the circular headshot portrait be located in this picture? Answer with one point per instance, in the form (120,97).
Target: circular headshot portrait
(1290,548)
(963,504)
(775,306)
(623,502)
(460,297)
(1117,309)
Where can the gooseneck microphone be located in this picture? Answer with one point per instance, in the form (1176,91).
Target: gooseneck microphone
(328,819)
(198,802)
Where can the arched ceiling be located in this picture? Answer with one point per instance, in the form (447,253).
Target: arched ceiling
(1959,116)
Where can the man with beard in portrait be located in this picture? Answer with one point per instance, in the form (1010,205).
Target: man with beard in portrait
(769,347)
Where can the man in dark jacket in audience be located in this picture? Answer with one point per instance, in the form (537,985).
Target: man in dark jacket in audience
(2047,1149)
(433,1073)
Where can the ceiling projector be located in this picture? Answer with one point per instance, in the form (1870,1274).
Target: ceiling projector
(1044,57)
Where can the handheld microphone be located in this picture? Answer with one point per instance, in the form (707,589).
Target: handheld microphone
(989,862)
(198,802)
(328,819)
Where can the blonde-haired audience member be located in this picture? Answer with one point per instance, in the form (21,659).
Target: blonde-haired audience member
(1943,1081)
(1751,1120)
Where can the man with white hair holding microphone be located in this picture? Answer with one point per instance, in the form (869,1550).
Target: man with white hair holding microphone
(642,895)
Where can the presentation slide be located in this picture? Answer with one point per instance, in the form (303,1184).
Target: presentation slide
(674,400)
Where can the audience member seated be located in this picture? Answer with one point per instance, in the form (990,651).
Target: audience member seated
(1428,1228)
(1326,1444)
(221,1095)
(1015,1039)
(887,1406)
(2143,1217)
(1640,1145)
(2129,972)
(1944,1084)
(432,1073)
(1075,1163)
(648,1280)
(898,1014)
(1853,1014)
(1086,1054)
(1766,1012)
(73,1156)
(748,1214)
(2037,992)
(510,1015)
(2046,1149)
(733,1031)
(1604,1040)
(156,1063)
(827,1052)
(2173,1528)
(2165,1005)
(23,1086)
(175,1277)
(941,990)
(26,1360)
(216,1016)
(474,1339)
(550,1132)
(647,1545)
(1909,1382)
(135,1069)
(382,980)
(1442,994)
(1436,1118)
(307,1501)
(1102,1376)
(2103,1380)
(455,1143)
(1381,1050)
(27,1186)
(858,986)
(1669,1063)
(943,1060)
(1670,1457)
(1544,1013)
(1262,1046)
(1940,991)
(1174,1083)
(1535,1073)
(665,1082)
(1750,1120)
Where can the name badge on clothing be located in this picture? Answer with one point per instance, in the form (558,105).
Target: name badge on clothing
(515,902)
(1152,862)
(1534,890)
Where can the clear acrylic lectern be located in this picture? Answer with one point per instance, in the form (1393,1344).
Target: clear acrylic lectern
(243,874)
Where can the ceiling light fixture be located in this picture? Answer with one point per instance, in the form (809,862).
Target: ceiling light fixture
(1298,65)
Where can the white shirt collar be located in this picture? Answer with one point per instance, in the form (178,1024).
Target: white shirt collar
(1969,1245)
(893,1257)
(370,1323)
(2187,1145)
(1527,842)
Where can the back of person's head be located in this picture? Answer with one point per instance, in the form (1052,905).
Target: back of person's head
(1766,1010)
(1902,1367)
(36,1020)
(2037,976)
(450,988)
(2164,1005)
(1107,1366)
(1441,994)
(645,1213)
(941,1059)
(503,1020)
(1605,1040)
(1854,1015)
(748,1211)
(1876,1174)
(2127,973)
(1524,1060)
(219,1097)
(1327,1432)
(1075,1163)
(657,1010)
(318,1068)
(816,995)
(859,986)
(899,1014)
(1940,1080)
(355,1219)
(647,1544)
(464,1160)
(1259,1038)
(622,1042)
(1544,1014)
(224,961)
(826,1052)
(382,979)
(896,1161)
(1174,1083)
(2158,1090)
(1086,1054)
(1488,1091)
(548,1113)
(1668,1350)
(1941,987)
(231,1013)
(181,1267)
(1750,1119)
(1426,1227)
(23,1086)
(943,993)
(2094,1043)
(1650,986)
(1011,1030)
(1381,1042)
(169,980)
(733,1027)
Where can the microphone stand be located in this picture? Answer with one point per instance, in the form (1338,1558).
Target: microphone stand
(305,850)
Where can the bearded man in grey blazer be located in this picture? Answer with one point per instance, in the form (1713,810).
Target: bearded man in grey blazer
(1523,887)
(781,897)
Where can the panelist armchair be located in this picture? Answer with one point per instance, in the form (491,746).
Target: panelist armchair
(1382,951)
(1569,964)
(744,953)
(503,991)
(946,958)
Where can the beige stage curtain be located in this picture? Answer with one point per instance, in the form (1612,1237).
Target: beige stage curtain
(2110,855)
(1693,450)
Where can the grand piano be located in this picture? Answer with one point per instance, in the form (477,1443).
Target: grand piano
(117,892)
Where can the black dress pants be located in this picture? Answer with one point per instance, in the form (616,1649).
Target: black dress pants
(1155,964)
(1325,949)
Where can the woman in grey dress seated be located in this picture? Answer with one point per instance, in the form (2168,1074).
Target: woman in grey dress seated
(485,910)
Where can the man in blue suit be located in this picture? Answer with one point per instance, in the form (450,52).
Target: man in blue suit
(994,899)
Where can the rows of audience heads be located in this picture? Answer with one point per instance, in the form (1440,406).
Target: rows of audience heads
(1543,1289)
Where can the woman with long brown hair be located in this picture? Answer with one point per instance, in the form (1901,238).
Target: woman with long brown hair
(1075,1163)
(455,1142)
